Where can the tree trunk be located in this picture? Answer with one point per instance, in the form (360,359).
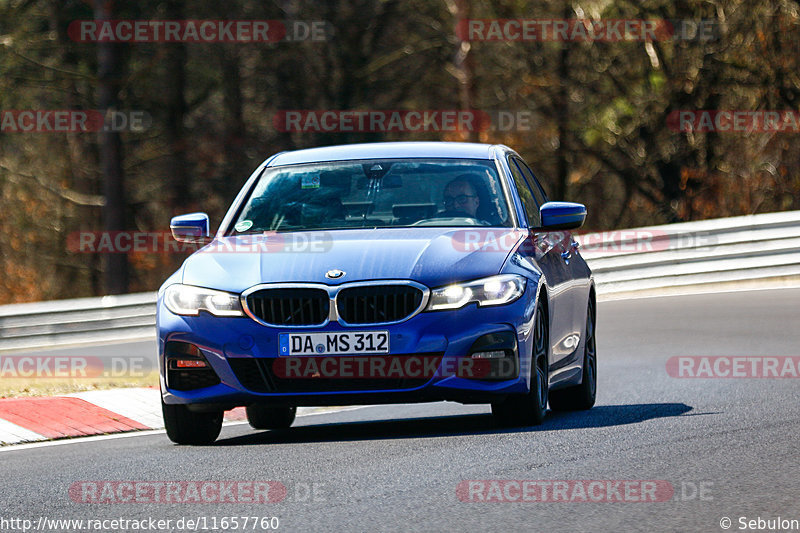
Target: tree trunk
(562,117)
(175,81)
(465,66)
(109,76)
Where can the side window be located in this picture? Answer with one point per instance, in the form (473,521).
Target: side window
(538,190)
(531,209)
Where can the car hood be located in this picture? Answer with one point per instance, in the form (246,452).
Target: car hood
(432,256)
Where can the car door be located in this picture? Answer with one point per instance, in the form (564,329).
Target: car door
(544,249)
(576,285)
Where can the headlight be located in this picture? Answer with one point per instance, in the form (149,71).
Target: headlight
(189,300)
(496,290)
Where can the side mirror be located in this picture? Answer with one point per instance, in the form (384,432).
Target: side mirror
(190,228)
(562,215)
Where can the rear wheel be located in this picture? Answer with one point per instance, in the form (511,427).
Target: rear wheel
(530,409)
(187,427)
(270,417)
(581,397)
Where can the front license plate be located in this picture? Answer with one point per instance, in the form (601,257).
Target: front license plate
(352,342)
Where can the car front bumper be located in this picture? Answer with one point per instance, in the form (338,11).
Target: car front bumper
(240,351)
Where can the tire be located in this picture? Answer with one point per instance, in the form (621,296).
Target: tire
(187,427)
(530,409)
(270,417)
(581,397)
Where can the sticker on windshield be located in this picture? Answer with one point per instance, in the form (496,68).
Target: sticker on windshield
(310,181)
(243,225)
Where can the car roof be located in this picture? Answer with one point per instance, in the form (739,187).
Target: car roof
(386,150)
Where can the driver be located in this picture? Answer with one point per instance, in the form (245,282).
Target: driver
(461,198)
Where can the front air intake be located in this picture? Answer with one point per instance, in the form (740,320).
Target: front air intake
(375,304)
(290,307)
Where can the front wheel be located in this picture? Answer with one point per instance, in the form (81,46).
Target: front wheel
(270,417)
(581,397)
(530,409)
(187,427)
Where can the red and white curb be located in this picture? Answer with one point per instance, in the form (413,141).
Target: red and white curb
(80,415)
(31,419)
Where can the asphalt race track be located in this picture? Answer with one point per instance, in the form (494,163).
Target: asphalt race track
(397,467)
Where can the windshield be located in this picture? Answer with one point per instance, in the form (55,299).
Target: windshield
(374,194)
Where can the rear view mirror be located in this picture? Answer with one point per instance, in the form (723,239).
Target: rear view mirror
(389,182)
(392,181)
(190,228)
(562,215)
(336,180)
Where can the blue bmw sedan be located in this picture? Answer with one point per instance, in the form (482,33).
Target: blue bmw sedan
(379,273)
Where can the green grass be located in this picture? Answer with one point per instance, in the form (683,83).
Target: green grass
(21,387)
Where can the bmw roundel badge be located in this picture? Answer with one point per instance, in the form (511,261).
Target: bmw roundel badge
(334,274)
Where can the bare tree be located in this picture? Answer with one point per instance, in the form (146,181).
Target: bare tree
(109,77)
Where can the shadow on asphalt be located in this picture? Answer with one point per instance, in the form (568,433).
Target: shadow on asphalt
(446,426)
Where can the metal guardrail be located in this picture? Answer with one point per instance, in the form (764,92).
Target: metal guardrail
(77,321)
(730,250)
